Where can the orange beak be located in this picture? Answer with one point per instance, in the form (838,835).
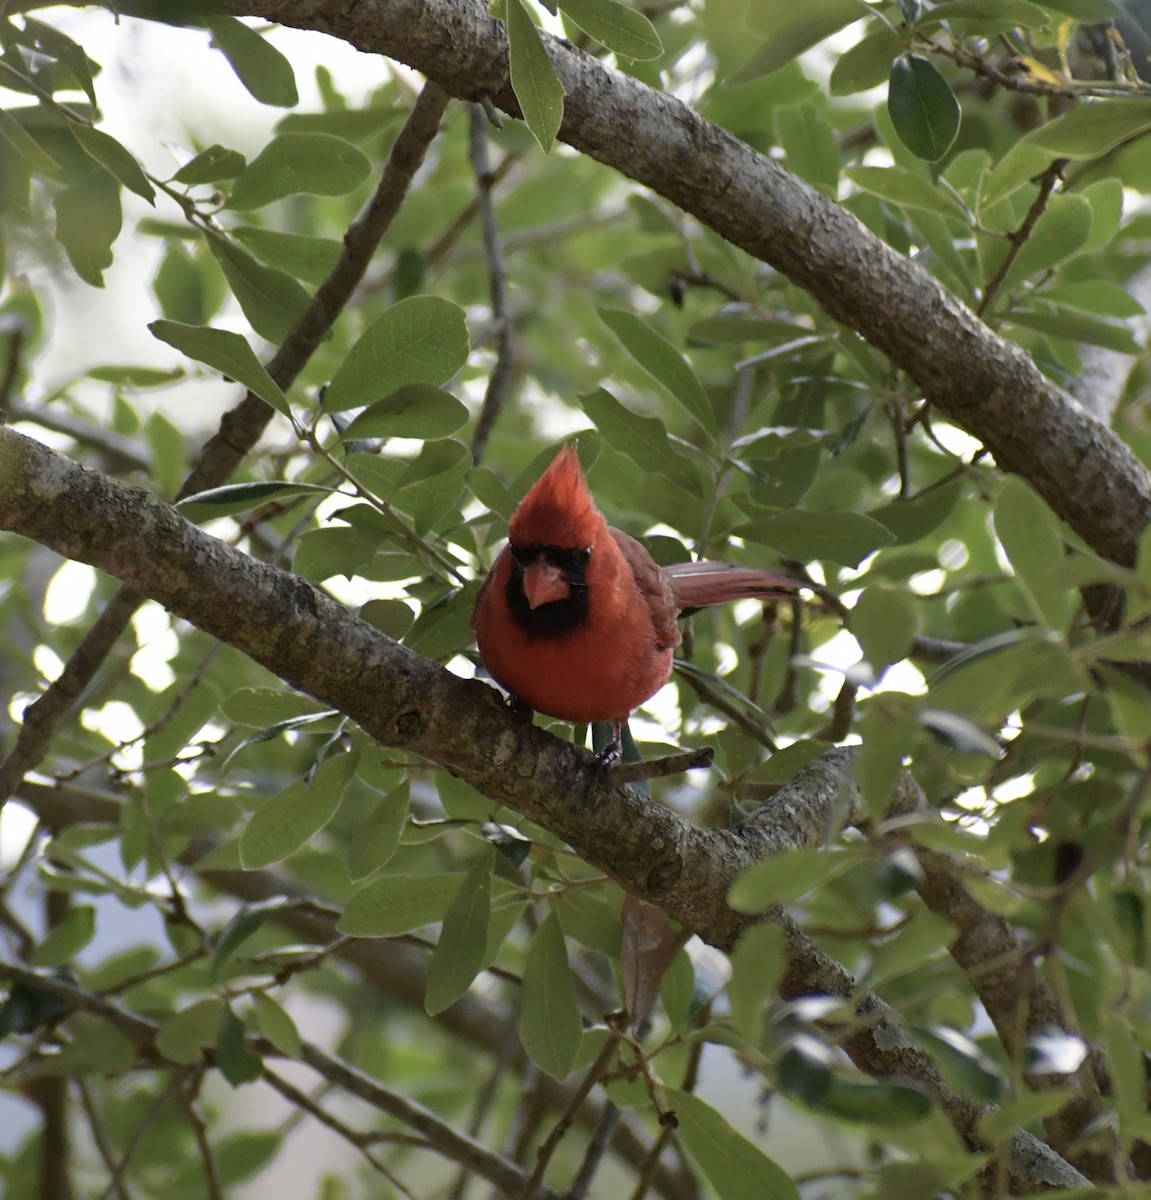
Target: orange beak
(544,584)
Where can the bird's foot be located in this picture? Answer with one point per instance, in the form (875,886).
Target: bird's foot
(520,710)
(658,768)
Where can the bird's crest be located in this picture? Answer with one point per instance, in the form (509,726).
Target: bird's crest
(559,510)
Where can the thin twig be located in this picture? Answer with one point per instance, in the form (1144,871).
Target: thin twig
(1018,238)
(544,1154)
(100,1138)
(188,1094)
(361,1141)
(659,768)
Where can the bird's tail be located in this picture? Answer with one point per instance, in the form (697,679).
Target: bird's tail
(698,584)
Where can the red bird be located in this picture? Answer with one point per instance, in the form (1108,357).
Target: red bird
(576,619)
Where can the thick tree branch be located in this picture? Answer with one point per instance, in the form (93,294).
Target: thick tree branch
(409,703)
(985,384)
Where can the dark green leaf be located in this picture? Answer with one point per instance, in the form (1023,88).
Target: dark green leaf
(237,1063)
(276,1025)
(235,498)
(246,923)
(865,65)
(787,876)
(26,145)
(643,439)
(923,108)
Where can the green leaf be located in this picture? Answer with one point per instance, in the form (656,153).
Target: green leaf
(246,923)
(183,1036)
(1090,130)
(664,363)
(460,952)
(1011,12)
(235,498)
(115,158)
(261,68)
(276,1025)
(317,164)
(1095,296)
(416,410)
(284,823)
(378,834)
(923,108)
(787,876)
(237,1063)
(308,258)
(865,65)
(958,733)
(534,80)
(884,1105)
(88,221)
(793,28)
(211,165)
(169,454)
(735,1168)
(550,1025)
(884,622)
(1028,532)
(66,938)
(1076,327)
(271,300)
(615,26)
(757,965)
(395,904)
(261,707)
(643,439)
(225,352)
(842,537)
(902,186)
(420,340)
(910,520)
(26,145)
(323,553)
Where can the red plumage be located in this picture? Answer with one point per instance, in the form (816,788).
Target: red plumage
(576,619)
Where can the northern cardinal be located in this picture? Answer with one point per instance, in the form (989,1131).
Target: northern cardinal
(576,619)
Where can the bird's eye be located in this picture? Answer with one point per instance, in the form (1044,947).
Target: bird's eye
(583,557)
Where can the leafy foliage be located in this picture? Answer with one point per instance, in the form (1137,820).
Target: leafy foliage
(222,875)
